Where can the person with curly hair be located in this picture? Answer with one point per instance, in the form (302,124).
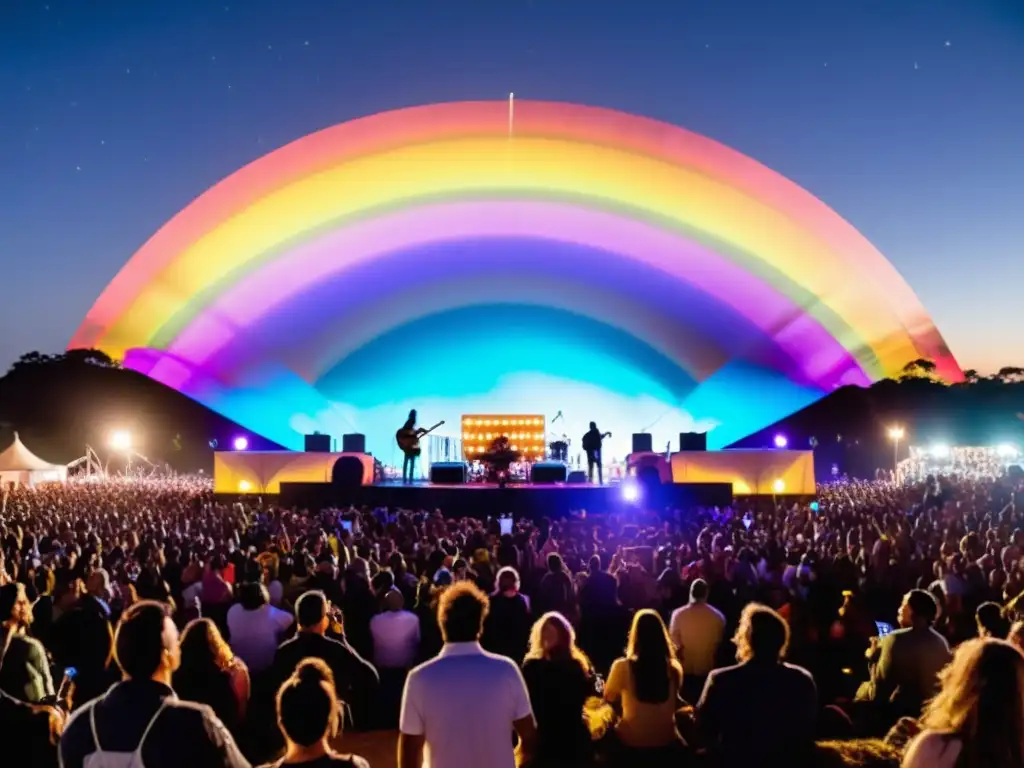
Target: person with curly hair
(977,718)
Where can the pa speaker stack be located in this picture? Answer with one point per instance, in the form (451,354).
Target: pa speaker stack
(693,441)
(643,442)
(317,443)
(354,443)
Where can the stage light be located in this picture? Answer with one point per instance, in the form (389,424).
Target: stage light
(241,443)
(778,486)
(940,451)
(1007,451)
(631,492)
(781,441)
(121,440)
(244,486)
(896,433)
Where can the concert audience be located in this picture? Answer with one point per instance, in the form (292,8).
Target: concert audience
(761,711)
(910,659)
(646,684)
(211,674)
(355,680)
(697,630)
(977,718)
(24,669)
(140,720)
(461,708)
(90,553)
(507,629)
(308,714)
(256,627)
(560,680)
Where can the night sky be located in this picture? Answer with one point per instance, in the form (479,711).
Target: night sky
(906,116)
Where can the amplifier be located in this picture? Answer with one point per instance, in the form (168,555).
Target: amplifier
(548,472)
(448,473)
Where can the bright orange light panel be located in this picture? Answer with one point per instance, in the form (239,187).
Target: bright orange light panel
(525,432)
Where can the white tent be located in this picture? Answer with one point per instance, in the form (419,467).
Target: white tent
(19,466)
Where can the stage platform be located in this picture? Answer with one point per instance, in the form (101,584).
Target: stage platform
(519,500)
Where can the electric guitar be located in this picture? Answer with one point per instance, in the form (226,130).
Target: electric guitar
(409,439)
(589,448)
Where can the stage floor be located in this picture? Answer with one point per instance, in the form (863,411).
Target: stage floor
(484,500)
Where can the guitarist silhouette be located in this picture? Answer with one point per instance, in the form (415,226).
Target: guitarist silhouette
(408,439)
(592,447)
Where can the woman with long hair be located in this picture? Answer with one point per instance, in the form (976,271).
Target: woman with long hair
(211,674)
(560,679)
(646,682)
(977,718)
(308,714)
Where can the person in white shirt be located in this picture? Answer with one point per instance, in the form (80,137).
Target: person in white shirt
(256,627)
(697,631)
(460,708)
(396,634)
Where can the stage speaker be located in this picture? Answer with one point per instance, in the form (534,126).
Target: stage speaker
(693,441)
(347,472)
(643,442)
(354,443)
(317,443)
(548,472)
(448,473)
(577,477)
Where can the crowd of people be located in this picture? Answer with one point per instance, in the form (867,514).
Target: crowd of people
(148,621)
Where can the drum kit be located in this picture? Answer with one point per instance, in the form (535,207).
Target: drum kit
(558,448)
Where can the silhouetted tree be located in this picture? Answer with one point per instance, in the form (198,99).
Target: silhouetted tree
(1010,375)
(918,369)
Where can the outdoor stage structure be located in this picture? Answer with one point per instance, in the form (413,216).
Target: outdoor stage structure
(471,258)
(685,479)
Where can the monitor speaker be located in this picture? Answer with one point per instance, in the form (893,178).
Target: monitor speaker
(354,443)
(317,443)
(347,472)
(693,441)
(643,442)
(577,477)
(448,473)
(548,472)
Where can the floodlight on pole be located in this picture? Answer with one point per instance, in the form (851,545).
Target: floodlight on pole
(120,440)
(896,434)
(778,486)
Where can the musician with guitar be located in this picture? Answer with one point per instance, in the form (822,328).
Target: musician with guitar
(408,438)
(592,447)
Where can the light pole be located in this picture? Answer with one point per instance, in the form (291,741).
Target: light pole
(896,434)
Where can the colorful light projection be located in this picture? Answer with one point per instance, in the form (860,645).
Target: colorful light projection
(604,265)
(525,433)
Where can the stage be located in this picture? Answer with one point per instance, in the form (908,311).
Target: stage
(519,500)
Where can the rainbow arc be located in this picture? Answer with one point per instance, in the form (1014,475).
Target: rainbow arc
(424,257)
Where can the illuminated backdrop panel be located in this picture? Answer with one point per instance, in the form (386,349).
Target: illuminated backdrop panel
(604,265)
